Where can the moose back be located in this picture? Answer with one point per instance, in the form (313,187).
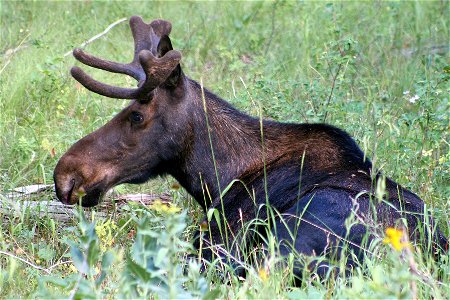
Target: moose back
(308,177)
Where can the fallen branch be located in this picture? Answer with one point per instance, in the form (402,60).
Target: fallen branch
(98,35)
(25,261)
(29,199)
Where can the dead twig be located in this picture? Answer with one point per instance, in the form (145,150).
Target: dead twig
(333,84)
(10,53)
(25,261)
(98,35)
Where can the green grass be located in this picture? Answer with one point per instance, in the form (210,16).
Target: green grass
(353,64)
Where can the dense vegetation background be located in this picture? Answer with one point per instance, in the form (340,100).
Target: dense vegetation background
(379,70)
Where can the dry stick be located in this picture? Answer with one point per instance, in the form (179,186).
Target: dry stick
(10,52)
(331,92)
(98,35)
(46,270)
(25,261)
(14,51)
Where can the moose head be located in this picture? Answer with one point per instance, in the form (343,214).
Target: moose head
(132,145)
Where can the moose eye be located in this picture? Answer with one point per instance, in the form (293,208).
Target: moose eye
(136,117)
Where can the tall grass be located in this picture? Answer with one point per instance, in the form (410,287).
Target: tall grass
(378,70)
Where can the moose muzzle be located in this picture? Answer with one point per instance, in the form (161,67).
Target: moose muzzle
(78,180)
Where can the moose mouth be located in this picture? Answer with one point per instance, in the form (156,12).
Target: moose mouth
(86,196)
(72,189)
(92,197)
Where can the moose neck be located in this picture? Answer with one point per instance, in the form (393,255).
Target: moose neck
(224,144)
(213,158)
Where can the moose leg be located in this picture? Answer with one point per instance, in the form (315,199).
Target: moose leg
(315,225)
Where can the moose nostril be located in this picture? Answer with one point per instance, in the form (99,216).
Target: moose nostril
(70,192)
(64,190)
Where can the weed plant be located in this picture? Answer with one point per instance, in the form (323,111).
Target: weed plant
(379,70)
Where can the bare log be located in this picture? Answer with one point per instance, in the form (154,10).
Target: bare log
(29,199)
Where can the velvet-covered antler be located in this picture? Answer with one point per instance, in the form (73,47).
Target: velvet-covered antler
(148,69)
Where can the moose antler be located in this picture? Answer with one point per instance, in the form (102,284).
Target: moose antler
(148,69)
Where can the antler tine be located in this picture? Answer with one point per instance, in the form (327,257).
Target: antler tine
(147,36)
(145,67)
(103,88)
(144,38)
(111,66)
(157,70)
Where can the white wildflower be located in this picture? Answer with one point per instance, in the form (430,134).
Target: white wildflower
(406,93)
(413,99)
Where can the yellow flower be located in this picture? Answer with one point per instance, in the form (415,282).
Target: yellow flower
(105,232)
(263,274)
(73,269)
(162,207)
(394,237)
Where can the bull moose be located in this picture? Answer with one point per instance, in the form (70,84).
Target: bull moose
(306,179)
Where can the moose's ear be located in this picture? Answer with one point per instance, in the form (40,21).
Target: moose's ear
(164,46)
(174,78)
